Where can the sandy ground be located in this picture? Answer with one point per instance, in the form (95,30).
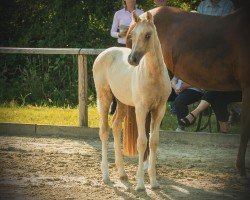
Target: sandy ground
(61,168)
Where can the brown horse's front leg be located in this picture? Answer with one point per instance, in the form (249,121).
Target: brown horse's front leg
(245,132)
(240,163)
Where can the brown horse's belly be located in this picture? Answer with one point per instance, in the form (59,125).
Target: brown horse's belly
(209,80)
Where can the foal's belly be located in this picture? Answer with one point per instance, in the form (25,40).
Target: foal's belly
(123,94)
(124,97)
(120,84)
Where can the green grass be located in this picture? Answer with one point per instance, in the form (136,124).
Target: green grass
(69,116)
(46,115)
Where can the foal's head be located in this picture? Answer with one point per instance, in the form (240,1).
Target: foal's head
(142,37)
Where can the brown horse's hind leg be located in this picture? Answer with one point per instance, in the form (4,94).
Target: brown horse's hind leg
(245,132)
(117,127)
(104,98)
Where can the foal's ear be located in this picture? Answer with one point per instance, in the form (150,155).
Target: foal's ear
(149,17)
(135,17)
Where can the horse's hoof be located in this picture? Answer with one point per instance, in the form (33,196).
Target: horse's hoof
(242,171)
(140,188)
(244,180)
(106,179)
(124,178)
(155,186)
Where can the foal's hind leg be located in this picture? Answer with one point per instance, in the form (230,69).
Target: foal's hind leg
(104,98)
(156,118)
(117,127)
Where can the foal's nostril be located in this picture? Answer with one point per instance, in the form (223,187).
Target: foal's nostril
(134,59)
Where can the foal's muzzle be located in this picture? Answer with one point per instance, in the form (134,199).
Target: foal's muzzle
(134,59)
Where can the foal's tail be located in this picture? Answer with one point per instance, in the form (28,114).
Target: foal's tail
(130,134)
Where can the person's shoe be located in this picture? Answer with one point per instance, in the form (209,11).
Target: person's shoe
(185,121)
(180,129)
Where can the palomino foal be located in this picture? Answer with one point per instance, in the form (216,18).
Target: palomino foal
(146,87)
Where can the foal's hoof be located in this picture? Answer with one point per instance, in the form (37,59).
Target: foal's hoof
(106,179)
(140,188)
(155,186)
(124,178)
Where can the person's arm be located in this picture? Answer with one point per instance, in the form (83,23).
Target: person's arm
(184,86)
(114,29)
(230,7)
(174,83)
(140,12)
(200,7)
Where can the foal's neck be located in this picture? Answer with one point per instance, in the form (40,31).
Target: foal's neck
(154,59)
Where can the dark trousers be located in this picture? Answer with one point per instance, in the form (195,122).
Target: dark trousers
(184,99)
(220,100)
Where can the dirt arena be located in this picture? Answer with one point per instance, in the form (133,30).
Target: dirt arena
(69,168)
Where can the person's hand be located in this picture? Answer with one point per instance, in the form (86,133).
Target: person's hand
(123,33)
(185,86)
(177,91)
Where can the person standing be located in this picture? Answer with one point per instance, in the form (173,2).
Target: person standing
(122,20)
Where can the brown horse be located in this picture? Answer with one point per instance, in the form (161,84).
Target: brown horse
(209,52)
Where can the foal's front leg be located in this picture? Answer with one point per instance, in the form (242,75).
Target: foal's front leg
(156,118)
(141,113)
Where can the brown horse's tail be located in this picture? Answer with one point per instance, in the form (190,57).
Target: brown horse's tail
(130,134)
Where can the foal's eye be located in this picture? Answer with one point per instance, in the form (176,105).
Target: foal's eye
(148,35)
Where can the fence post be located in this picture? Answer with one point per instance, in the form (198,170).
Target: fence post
(82,90)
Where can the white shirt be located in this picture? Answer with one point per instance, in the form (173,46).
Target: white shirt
(223,7)
(122,17)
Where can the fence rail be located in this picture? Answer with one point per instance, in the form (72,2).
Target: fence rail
(72,51)
(82,70)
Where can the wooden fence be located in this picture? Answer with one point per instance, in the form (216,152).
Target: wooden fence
(82,71)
